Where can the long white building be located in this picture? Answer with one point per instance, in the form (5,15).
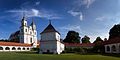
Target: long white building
(50,41)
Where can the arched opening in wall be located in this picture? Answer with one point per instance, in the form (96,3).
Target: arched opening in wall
(19,48)
(113,48)
(23,48)
(108,48)
(27,48)
(7,48)
(1,48)
(13,48)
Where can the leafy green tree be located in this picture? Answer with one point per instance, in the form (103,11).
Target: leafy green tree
(98,39)
(105,39)
(72,37)
(114,31)
(99,47)
(85,39)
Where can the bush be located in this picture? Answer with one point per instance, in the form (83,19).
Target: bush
(35,49)
(76,50)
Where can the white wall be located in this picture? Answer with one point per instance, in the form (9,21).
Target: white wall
(51,41)
(26,48)
(50,36)
(117,45)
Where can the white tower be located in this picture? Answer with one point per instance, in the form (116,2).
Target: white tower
(23,31)
(50,41)
(34,34)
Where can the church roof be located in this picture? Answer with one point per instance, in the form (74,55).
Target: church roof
(49,28)
(15,33)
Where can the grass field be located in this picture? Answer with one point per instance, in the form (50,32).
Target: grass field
(33,56)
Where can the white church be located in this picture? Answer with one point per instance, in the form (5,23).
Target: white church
(28,34)
(22,40)
(50,41)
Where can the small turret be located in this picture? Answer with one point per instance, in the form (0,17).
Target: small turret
(33,25)
(24,22)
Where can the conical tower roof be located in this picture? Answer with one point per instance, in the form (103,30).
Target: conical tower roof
(49,28)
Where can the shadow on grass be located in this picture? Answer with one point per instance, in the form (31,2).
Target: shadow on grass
(30,52)
(104,54)
(111,54)
(88,53)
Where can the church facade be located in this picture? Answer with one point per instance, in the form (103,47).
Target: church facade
(26,34)
(50,41)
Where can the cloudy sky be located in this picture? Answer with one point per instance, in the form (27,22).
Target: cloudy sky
(88,17)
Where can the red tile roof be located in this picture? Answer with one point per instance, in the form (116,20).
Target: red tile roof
(80,45)
(112,41)
(14,44)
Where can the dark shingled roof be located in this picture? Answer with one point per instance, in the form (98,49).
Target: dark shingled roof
(49,28)
(15,33)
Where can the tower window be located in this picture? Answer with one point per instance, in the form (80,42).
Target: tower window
(26,30)
(25,24)
(31,40)
(30,32)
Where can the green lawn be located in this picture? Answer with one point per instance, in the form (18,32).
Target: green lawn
(33,56)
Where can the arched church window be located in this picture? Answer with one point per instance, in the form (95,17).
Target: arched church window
(113,48)
(108,48)
(7,48)
(1,48)
(30,32)
(31,40)
(26,30)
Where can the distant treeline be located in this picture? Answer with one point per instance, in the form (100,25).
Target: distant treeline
(4,40)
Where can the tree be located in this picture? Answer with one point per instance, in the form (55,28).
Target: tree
(99,47)
(98,39)
(114,31)
(85,39)
(72,37)
(105,39)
